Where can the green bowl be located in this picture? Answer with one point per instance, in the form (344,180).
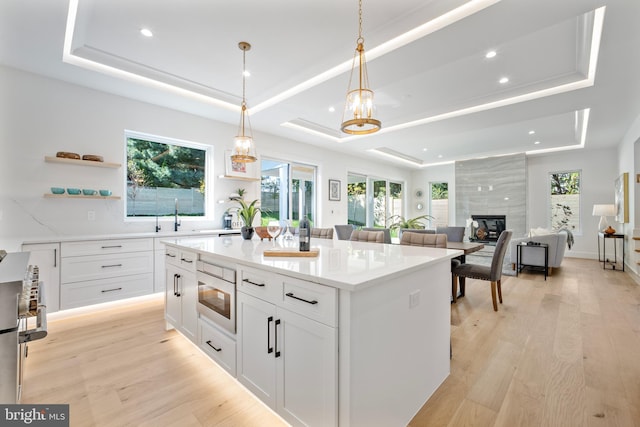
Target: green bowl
(73,191)
(57,190)
(88,192)
(105,193)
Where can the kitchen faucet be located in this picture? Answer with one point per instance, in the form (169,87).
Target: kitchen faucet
(176,223)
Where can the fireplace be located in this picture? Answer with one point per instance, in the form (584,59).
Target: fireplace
(488,229)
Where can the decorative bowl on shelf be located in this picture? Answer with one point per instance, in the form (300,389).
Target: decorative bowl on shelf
(105,193)
(88,192)
(57,190)
(68,155)
(73,191)
(92,158)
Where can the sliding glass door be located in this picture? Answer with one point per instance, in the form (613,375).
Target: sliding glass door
(287,191)
(372,201)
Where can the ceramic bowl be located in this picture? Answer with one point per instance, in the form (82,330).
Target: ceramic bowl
(57,190)
(105,193)
(88,192)
(73,191)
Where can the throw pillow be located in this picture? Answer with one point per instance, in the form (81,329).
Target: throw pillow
(539,232)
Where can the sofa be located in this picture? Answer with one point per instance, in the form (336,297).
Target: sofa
(557,242)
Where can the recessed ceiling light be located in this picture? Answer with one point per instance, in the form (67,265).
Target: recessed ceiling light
(424,149)
(146,32)
(332,109)
(504,80)
(439,156)
(537,142)
(531,132)
(490,54)
(246,73)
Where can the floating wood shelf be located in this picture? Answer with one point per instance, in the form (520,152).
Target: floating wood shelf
(52,159)
(79,196)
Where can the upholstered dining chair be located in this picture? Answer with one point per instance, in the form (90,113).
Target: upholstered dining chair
(367,236)
(386,231)
(454,234)
(344,231)
(491,273)
(410,238)
(322,233)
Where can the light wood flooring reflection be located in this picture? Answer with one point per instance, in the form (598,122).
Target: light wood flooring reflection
(560,353)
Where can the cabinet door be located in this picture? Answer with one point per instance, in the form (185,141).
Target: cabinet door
(189,295)
(173,302)
(47,257)
(256,347)
(306,371)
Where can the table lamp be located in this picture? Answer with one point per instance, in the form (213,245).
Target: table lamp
(603,211)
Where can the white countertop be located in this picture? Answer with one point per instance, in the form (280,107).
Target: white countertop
(341,263)
(149,234)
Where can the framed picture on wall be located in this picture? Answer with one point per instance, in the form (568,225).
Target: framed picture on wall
(334,189)
(622,198)
(237,170)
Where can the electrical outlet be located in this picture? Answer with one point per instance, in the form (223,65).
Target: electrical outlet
(91,215)
(414,299)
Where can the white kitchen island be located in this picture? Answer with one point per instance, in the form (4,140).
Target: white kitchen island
(362,330)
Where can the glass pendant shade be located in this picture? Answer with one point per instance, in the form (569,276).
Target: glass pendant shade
(244,151)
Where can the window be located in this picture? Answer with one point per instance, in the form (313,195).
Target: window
(372,201)
(439,203)
(165,175)
(287,191)
(565,200)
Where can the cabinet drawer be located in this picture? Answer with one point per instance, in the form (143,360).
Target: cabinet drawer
(312,300)
(97,247)
(182,259)
(97,291)
(261,284)
(217,345)
(77,269)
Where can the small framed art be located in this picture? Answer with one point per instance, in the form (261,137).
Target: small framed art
(334,189)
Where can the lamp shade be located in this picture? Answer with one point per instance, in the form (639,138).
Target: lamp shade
(604,210)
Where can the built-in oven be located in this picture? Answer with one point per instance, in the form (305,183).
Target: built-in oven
(217,294)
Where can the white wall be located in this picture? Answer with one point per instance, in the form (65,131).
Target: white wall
(40,116)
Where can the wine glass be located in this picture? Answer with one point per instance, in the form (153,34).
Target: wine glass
(287,234)
(273,228)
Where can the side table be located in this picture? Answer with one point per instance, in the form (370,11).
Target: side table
(523,246)
(604,260)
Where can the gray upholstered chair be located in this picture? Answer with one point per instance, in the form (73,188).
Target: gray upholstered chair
(491,273)
(386,231)
(410,238)
(322,233)
(454,234)
(367,236)
(344,231)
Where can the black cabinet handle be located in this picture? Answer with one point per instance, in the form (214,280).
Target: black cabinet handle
(176,288)
(211,345)
(112,265)
(291,295)
(110,290)
(186,260)
(55,257)
(112,247)
(253,283)
(170,255)
(175,292)
(269,348)
(276,333)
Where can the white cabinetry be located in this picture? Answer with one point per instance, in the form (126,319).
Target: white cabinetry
(287,346)
(96,271)
(181,293)
(47,257)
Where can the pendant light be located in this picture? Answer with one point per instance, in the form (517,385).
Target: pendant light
(244,151)
(357,118)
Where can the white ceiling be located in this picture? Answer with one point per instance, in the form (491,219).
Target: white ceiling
(573,67)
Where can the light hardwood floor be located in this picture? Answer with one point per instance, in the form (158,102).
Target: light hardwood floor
(565,352)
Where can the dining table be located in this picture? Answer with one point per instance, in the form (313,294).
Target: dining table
(467,248)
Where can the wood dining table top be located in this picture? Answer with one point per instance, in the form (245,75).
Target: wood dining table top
(467,247)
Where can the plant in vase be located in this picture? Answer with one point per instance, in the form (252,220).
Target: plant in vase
(400,222)
(247,213)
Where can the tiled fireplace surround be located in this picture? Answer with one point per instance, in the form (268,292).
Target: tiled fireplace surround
(493,186)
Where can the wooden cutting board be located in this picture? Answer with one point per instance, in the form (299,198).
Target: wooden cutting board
(313,252)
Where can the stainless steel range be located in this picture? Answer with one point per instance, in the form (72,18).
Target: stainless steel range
(21,302)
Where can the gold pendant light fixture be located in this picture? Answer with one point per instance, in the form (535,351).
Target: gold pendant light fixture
(244,151)
(357,118)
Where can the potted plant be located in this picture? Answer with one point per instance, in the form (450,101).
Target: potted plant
(400,222)
(247,212)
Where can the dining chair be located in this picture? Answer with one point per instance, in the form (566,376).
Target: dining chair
(454,234)
(367,236)
(386,231)
(344,231)
(322,233)
(492,273)
(409,238)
